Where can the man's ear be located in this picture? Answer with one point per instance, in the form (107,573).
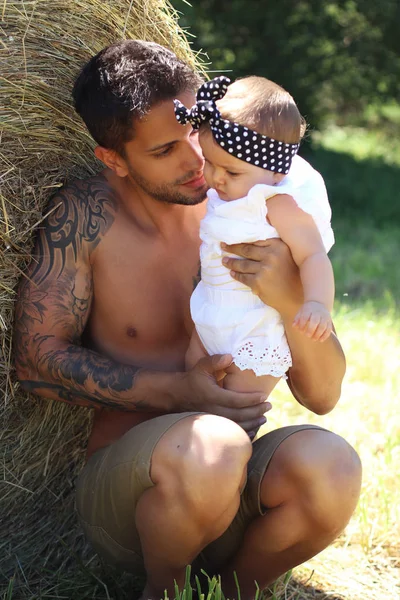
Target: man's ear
(112,160)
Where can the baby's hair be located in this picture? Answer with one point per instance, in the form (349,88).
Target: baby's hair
(265,107)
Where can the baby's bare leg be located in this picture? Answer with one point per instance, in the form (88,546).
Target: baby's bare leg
(248,381)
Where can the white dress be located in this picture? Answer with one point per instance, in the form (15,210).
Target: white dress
(228,317)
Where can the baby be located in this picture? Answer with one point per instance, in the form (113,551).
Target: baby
(250,133)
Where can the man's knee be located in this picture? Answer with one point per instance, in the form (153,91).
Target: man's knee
(202,446)
(202,458)
(322,473)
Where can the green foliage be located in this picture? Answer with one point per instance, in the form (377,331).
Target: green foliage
(361,169)
(333,56)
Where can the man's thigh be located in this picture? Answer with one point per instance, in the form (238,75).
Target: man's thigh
(110,486)
(217,554)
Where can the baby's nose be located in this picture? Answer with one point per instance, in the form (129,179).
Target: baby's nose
(219,177)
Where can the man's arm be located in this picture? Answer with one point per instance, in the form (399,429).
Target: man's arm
(315,379)
(53,307)
(268,268)
(54,302)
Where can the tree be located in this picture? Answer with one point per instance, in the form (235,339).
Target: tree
(333,56)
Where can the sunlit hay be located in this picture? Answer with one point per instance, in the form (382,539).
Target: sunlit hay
(43,45)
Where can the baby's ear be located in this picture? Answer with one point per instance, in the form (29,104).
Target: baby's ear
(278,177)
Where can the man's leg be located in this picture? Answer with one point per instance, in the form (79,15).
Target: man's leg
(309,491)
(160,493)
(198,469)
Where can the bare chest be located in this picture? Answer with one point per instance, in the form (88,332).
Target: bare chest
(140,310)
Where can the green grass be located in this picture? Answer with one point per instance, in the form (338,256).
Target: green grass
(367,414)
(368,417)
(365,261)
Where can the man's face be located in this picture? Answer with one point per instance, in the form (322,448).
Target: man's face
(164,158)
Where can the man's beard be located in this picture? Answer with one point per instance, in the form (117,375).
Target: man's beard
(168,193)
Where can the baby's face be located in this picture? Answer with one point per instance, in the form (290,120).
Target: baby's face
(231,177)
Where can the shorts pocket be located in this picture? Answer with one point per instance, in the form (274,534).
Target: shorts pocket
(111,551)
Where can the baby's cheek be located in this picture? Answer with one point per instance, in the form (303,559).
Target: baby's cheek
(208,174)
(238,189)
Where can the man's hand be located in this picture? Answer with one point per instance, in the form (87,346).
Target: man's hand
(198,390)
(267,267)
(314,320)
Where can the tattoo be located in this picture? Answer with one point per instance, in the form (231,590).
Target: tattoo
(66,299)
(33,306)
(56,296)
(80,215)
(30,308)
(38,387)
(67,366)
(79,373)
(80,308)
(196,280)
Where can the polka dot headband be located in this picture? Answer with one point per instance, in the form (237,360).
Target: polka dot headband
(242,142)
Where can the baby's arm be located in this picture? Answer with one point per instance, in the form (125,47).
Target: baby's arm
(299,231)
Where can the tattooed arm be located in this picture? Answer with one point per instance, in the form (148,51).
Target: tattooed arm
(54,302)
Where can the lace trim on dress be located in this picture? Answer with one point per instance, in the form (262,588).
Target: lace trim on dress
(263,361)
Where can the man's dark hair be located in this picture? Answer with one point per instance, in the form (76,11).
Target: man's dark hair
(122,83)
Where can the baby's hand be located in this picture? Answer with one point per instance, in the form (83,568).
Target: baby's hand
(314,320)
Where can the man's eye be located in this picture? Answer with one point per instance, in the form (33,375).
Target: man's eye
(194,132)
(164,152)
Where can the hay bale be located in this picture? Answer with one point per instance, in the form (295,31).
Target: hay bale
(43,45)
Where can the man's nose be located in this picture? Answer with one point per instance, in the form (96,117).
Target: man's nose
(194,155)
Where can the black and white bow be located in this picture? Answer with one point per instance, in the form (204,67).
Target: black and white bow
(205,108)
(240,141)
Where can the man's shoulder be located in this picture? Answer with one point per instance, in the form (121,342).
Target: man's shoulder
(82,207)
(81,192)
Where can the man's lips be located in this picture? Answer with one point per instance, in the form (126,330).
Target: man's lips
(198,181)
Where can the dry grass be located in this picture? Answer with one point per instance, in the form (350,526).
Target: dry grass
(43,45)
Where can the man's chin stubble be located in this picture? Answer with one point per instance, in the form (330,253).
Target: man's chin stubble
(186,201)
(178,198)
(167,195)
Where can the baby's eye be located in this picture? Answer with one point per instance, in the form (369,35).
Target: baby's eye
(232,174)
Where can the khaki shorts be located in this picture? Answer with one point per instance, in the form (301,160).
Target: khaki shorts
(115,477)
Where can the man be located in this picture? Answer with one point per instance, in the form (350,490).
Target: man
(103,322)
